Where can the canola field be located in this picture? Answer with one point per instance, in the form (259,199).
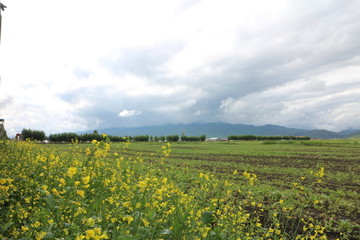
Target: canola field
(205,190)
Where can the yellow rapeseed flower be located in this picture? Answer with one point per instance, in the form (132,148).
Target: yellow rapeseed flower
(55,191)
(41,158)
(145,222)
(128,219)
(90,222)
(88,151)
(72,171)
(90,234)
(24,228)
(107,182)
(86,179)
(321,172)
(62,181)
(80,237)
(36,224)
(40,235)
(81,193)
(143,183)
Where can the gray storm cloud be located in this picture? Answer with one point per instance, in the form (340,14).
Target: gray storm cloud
(290,63)
(247,84)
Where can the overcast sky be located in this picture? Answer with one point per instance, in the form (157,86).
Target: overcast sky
(85,65)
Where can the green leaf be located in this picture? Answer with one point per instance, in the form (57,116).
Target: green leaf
(212,234)
(50,201)
(142,231)
(152,215)
(137,237)
(206,217)
(7,226)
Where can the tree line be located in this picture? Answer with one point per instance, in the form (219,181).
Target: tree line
(39,135)
(253,138)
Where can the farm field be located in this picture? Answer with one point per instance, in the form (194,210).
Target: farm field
(194,190)
(276,163)
(278,166)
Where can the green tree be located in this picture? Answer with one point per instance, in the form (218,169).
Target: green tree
(172,138)
(37,135)
(3,134)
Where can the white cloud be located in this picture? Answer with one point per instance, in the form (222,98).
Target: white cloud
(199,113)
(129,113)
(315,86)
(72,66)
(299,104)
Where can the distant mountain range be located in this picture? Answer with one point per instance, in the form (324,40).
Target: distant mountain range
(223,130)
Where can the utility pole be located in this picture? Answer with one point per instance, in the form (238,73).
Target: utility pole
(3,134)
(2,8)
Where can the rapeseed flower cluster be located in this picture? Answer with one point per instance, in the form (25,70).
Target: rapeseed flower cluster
(92,194)
(252,178)
(318,174)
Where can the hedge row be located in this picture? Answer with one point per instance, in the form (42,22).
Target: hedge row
(253,137)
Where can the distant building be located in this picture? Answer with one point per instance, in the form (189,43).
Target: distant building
(18,137)
(214,139)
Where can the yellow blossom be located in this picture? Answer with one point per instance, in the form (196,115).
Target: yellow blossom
(72,171)
(88,151)
(128,219)
(40,235)
(86,179)
(62,181)
(80,237)
(54,191)
(36,224)
(81,193)
(41,158)
(24,228)
(90,234)
(90,222)
(145,222)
